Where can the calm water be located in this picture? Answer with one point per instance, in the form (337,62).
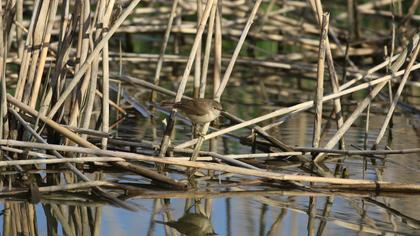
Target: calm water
(286,213)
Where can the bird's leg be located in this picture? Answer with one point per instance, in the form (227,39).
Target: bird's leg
(201,134)
(198,131)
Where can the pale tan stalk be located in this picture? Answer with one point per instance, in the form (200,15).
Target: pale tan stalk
(206,60)
(303,106)
(105,81)
(183,83)
(317,8)
(23,72)
(226,168)
(362,105)
(396,98)
(320,82)
(163,48)
(238,48)
(197,64)
(3,91)
(44,52)
(79,74)
(71,167)
(38,36)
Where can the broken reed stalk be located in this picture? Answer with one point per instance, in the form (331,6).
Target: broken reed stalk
(61,161)
(238,48)
(396,97)
(362,105)
(320,82)
(260,130)
(218,167)
(358,152)
(317,9)
(163,49)
(76,171)
(300,106)
(67,133)
(350,120)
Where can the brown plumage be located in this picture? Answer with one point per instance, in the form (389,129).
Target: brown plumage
(199,111)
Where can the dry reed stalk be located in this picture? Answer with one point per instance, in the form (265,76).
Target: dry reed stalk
(320,82)
(200,141)
(44,51)
(212,166)
(111,103)
(79,74)
(66,187)
(206,61)
(64,131)
(210,157)
(105,78)
(197,62)
(23,71)
(217,61)
(183,83)
(82,54)
(300,106)
(370,71)
(38,35)
(317,9)
(362,105)
(100,15)
(358,152)
(67,133)
(73,168)
(226,77)
(4,133)
(163,49)
(19,33)
(238,48)
(397,94)
(29,153)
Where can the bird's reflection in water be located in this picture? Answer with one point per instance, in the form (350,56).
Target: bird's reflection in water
(192,224)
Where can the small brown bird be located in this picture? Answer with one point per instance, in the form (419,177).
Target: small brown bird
(199,111)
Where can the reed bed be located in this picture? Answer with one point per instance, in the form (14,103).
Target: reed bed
(70,73)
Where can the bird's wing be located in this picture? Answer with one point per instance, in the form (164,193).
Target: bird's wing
(192,107)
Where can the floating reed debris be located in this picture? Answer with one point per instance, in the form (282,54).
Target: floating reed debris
(59,101)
